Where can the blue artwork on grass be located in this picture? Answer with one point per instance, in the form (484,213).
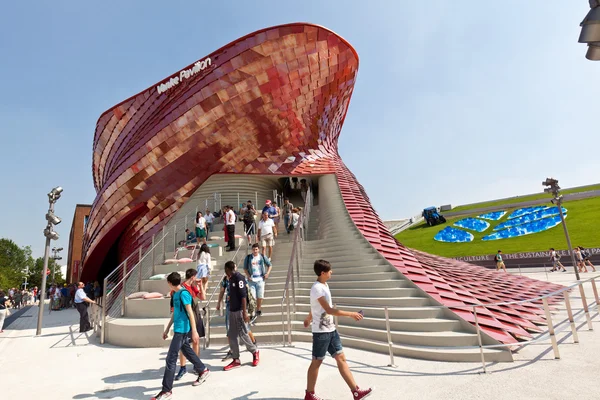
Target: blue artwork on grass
(525,229)
(534,216)
(527,210)
(473,224)
(453,235)
(492,216)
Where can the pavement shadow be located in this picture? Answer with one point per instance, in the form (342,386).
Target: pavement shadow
(131,392)
(250,396)
(145,374)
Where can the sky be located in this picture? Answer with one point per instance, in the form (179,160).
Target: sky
(455,102)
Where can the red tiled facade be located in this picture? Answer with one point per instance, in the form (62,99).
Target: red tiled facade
(272,102)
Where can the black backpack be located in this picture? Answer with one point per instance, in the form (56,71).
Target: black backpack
(248,218)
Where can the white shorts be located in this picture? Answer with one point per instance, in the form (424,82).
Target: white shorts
(267,240)
(203,271)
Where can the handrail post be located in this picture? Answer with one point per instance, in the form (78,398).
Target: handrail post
(123,288)
(174,237)
(289,322)
(153,263)
(163,242)
(389,338)
(585,307)
(595,289)
(104,305)
(293,287)
(282,324)
(479,340)
(551,328)
(140,267)
(298,257)
(571,320)
(207,341)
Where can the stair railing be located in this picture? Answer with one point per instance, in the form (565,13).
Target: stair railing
(125,279)
(295,258)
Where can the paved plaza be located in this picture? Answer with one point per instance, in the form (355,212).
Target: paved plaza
(64,364)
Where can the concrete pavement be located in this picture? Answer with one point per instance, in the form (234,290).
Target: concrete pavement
(64,364)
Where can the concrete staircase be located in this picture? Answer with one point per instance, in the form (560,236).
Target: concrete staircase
(362,280)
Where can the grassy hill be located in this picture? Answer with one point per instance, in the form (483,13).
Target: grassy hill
(512,200)
(583,222)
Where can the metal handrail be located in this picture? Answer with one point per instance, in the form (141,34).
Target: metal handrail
(544,298)
(107,294)
(298,240)
(136,251)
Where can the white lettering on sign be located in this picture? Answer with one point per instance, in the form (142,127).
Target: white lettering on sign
(184,74)
(535,254)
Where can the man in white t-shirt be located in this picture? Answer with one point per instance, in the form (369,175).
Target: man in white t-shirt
(209,218)
(325,336)
(201,231)
(230,226)
(266,235)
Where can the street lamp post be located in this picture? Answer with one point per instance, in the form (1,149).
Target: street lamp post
(553,188)
(590,31)
(50,234)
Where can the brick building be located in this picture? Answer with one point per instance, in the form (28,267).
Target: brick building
(80,217)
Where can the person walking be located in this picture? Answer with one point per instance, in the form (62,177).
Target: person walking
(80,304)
(585,255)
(287,213)
(184,327)
(4,302)
(555,258)
(197,291)
(257,268)
(224,295)
(579,259)
(204,266)
(238,318)
(200,228)
(325,336)
(209,218)
(249,224)
(230,226)
(267,233)
(499,261)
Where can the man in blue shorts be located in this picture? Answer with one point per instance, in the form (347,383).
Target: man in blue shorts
(325,336)
(257,268)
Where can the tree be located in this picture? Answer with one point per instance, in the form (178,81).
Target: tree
(35,273)
(13,263)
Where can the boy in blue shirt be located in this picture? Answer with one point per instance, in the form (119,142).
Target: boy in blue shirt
(184,326)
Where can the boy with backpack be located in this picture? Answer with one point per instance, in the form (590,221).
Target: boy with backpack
(325,336)
(257,268)
(196,289)
(238,318)
(184,325)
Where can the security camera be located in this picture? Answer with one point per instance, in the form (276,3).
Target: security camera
(550,182)
(49,233)
(53,219)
